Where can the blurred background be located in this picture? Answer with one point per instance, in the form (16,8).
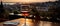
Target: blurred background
(33,12)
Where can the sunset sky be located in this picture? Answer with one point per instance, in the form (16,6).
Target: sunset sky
(27,1)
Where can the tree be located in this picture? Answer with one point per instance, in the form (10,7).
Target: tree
(1,10)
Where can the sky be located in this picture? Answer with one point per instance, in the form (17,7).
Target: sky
(27,1)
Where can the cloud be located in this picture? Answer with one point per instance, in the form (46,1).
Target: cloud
(27,0)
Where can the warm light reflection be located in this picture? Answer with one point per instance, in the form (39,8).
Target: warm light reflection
(22,21)
(45,23)
(30,23)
